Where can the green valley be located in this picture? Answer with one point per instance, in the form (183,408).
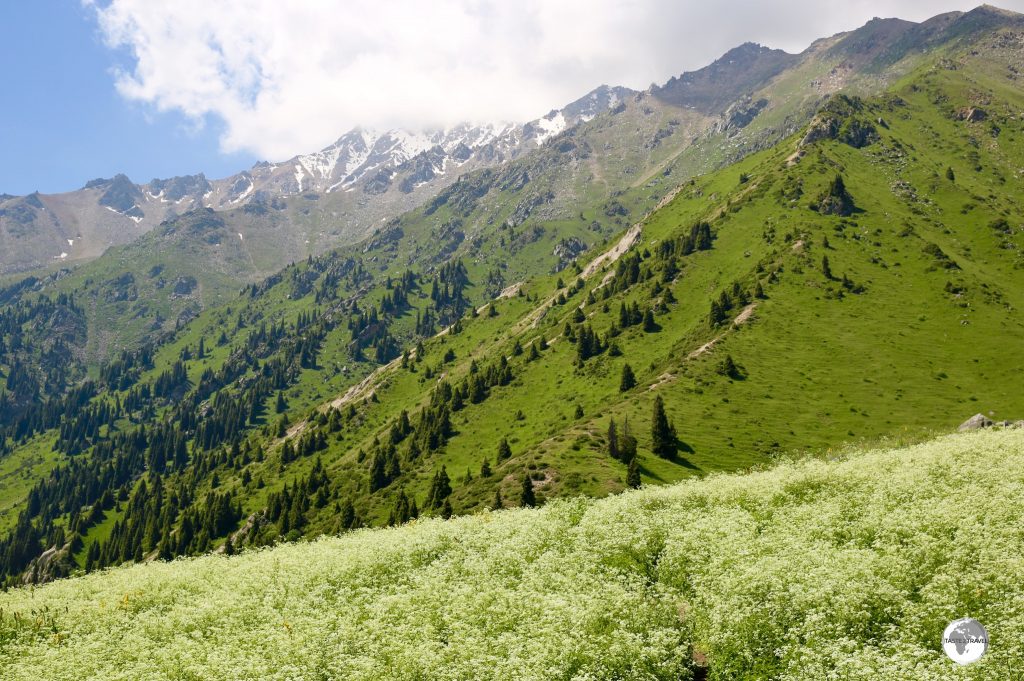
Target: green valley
(667,392)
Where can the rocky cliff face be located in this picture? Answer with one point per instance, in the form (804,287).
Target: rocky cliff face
(366,175)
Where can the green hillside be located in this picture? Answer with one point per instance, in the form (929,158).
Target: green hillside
(860,279)
(847,567)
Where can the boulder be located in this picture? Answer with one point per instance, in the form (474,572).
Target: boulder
(971,114)
(976,422)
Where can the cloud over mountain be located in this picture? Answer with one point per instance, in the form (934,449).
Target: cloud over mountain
(286,77)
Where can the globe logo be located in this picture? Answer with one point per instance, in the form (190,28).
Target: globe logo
(965,640)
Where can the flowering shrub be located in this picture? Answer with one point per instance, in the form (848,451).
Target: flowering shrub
(844,569)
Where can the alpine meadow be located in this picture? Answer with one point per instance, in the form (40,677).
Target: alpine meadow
(661,385)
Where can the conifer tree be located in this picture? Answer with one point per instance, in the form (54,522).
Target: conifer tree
(347,516)
(498,504)
(378,477)
(728,367)
(649,325)
(485,468)
(527,499)
(716,315)
(825,268)
(627,442)
(613,440)
(663,435)
(633,474)
(401,513)
(628,380)
(440,489)
(533,354)
(504,450)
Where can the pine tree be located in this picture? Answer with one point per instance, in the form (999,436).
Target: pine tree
(628,381)
(578,414)
(613,440)
(280,406)
(347,517)
(485,469)
(728,367)
(498,504)
(446,509)
(504,451)
(527,498)
(716,315)
(649,325)
(440,489)
(627,442)
(378,478)
(92,556)
(663,435)
(401,513)
(825,268)
(759,291)
(633,474)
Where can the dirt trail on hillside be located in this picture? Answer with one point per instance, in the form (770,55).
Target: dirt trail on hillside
(742,318)
(361,387)
(624,244)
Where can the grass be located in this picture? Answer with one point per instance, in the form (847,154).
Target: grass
(848,566)
(19,472)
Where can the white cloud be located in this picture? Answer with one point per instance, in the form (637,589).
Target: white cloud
(289,77)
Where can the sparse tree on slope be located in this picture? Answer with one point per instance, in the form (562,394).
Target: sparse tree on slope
(628,380)
(663,435)
(527,499)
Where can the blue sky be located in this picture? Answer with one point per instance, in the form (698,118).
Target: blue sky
(157,88)
(62,122)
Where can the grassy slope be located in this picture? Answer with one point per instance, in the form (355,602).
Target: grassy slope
(895,375)
(917,357)
(847,567)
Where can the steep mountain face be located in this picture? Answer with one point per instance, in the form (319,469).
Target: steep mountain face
(366,175)
(739,71)
(861,278)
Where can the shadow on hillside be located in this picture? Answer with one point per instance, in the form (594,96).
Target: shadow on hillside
(679,459)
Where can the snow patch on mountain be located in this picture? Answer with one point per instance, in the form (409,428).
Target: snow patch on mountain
(550,126)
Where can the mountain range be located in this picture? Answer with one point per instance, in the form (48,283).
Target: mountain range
(775,253)
(365,175)
(619,154)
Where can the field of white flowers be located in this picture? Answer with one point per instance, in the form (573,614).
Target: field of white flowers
(815,569)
